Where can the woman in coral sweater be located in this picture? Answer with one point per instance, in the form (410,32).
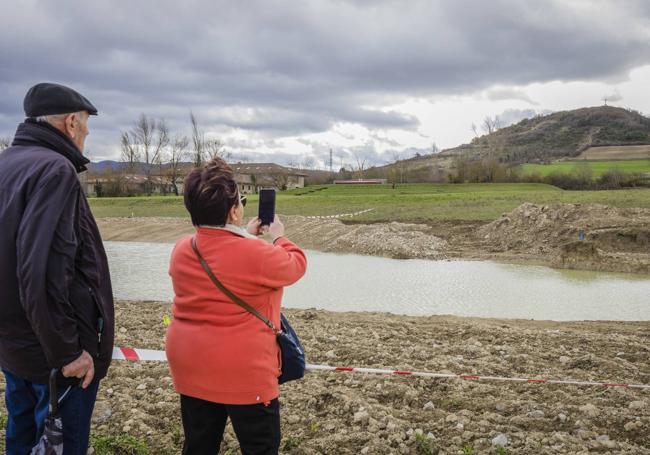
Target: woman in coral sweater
(224,361)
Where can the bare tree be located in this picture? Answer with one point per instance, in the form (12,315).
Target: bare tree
(176,153)
(198,140)
(130,153)
(214,148)
(491,124)
(161,141)
(399,166)
(360,165)
(5,141)
(474,129)
(308,162)
(145,141)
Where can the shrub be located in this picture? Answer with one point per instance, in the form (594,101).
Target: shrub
(118,445)
(424,445)
(289,443)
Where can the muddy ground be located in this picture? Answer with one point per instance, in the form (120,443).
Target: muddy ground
(586,237)
(354,413)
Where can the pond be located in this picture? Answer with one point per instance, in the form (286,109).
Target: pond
(416,287)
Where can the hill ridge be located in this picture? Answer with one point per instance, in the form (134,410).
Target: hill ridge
(559,134)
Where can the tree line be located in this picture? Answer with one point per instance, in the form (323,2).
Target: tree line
(150,149)
(491,170)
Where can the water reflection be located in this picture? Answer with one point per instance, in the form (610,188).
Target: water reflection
(417,287)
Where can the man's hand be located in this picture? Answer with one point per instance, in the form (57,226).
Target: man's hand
(83,367)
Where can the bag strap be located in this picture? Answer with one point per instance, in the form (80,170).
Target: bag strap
(227,291)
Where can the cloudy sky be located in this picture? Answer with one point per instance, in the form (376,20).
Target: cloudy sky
(284,80)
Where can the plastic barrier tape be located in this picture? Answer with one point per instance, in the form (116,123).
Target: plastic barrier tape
(150,355)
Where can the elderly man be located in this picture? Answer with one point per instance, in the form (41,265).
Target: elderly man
(56,302)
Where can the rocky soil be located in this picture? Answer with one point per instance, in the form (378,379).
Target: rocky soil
(587,237)
(355,413)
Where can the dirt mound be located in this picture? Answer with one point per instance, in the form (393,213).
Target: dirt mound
(578,236)
(395,240)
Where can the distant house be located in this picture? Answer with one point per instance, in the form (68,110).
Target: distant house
(252,176)
(128,184)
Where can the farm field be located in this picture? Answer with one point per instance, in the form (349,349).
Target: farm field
(598,168)
(618,152)
(420,203)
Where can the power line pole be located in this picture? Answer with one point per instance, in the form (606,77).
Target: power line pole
(331,168)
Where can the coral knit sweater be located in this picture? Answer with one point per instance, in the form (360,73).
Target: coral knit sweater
(217,351)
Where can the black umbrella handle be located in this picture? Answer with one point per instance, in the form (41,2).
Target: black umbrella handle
(54,401)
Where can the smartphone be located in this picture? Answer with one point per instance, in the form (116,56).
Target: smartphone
(267,206)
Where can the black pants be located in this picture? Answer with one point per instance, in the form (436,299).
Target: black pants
(257,426)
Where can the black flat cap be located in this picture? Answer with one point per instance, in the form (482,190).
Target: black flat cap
(51,99)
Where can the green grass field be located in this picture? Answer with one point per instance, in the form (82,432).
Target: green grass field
(414,203)
(598,168)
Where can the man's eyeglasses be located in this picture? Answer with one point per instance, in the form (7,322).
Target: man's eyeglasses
(242,200)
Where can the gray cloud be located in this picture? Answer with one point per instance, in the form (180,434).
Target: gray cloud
(512,116)
(288,121)
(291,67)
(498,94)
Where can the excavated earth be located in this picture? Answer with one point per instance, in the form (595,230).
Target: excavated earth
(587,237)
(593,236)
(355,413)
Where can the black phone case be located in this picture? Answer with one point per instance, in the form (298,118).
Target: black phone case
(267,206)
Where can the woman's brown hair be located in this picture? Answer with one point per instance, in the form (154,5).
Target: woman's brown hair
(210,192)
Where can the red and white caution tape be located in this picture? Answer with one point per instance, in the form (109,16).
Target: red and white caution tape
(339,215)
(139,355)
(146,355)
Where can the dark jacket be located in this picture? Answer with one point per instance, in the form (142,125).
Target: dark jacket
(55,289)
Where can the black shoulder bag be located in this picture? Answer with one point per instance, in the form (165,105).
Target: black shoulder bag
(293,355)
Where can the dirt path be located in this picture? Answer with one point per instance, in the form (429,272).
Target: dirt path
(587,237)
(353,413)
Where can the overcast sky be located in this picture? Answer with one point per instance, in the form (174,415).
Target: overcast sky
(281,80)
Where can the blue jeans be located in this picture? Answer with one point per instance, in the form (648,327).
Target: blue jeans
(27,405)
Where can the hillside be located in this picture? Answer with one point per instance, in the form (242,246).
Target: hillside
(560,134)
